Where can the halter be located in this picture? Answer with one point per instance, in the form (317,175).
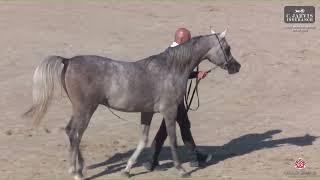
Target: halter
(188,101)
(225,56)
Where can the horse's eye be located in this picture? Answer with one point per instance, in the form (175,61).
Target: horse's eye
(228,51)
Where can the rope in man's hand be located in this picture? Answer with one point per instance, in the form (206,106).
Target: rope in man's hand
(195,90)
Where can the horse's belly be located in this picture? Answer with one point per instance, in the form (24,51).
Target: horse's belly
(135,95)
(132,104)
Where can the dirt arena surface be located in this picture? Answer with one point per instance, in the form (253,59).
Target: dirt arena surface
(256,123)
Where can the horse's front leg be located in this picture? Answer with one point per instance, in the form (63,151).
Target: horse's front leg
(145,125)
(170,116)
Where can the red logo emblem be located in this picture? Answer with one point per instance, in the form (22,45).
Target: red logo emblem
(300,164)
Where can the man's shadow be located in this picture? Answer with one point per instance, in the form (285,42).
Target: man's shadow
(236,147)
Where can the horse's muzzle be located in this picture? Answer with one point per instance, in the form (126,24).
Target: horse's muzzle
(233,67)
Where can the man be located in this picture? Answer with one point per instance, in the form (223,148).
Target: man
(197,158)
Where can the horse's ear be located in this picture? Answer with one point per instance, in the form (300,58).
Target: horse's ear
(211,30)
(223,34)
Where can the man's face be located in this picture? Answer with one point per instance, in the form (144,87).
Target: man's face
(182,35)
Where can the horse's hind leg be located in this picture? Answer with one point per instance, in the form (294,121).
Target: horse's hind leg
(170,120)
(75,129)
(68,132)
(145,125)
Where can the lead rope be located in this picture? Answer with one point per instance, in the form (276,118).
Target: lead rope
(117,115)
(195,90)
(132,122)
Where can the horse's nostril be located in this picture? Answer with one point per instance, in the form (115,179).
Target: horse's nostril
(233,67)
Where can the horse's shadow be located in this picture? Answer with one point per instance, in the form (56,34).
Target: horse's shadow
(236,147)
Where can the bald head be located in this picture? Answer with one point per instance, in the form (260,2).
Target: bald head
(182,35)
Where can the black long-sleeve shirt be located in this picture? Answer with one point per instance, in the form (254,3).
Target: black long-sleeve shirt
(193,74)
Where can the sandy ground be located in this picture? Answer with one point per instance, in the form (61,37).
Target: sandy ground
(256,123)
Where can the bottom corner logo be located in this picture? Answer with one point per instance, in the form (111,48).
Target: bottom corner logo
(300,164)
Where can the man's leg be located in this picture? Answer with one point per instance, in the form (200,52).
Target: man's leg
(196,158)
(184,123)
(161,136)
(156,147)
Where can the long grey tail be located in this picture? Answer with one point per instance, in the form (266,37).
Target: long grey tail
(47,77)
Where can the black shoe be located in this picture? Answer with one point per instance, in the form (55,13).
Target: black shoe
(150,165)
(202,160)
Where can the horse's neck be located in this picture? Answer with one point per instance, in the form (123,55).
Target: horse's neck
(195,61)
(173,65)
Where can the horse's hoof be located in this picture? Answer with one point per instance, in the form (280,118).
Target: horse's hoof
(125,174)
(78,177)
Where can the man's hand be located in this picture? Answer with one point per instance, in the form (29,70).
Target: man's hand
(202,75)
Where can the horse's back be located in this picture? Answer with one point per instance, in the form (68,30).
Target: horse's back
(87,61)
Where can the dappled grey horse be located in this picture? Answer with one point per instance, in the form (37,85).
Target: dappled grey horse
(156,84)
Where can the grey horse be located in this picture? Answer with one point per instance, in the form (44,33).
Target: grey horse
(156,84)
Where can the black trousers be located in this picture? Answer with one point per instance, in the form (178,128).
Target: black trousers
(184,123)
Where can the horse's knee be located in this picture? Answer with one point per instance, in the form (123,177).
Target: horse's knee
(144,138)
(145,141)
(142,144)
(68,127)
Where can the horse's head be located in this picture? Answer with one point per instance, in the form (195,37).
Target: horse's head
(220,53)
